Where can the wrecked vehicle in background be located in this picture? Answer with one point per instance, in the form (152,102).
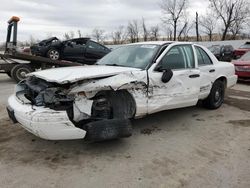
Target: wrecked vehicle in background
(97,102)
(222,52)
(242,67)
(238,53)
(82,50)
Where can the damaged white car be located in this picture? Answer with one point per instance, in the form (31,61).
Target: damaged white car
(97,102)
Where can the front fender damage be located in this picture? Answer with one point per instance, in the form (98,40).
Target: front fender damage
(103,107)
(88,93)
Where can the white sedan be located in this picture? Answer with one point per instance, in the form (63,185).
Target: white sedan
(97,102)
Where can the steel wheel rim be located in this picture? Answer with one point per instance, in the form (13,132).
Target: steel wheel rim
(21,73)
(218,96)
(54,55)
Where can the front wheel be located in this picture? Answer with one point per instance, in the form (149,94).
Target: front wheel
(53,54)
(216,96)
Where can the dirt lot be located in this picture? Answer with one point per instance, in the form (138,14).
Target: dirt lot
(191,147)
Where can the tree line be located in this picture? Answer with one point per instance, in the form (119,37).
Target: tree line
(225,19)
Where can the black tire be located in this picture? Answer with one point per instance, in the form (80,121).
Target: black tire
(19,72)
(54,54)
(108,130)
(216,96)
(9,74)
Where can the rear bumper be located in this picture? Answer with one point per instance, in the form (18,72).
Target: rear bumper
(232,80)
(243,74)
(43,122)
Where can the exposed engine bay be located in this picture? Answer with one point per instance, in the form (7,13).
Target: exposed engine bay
(41,93)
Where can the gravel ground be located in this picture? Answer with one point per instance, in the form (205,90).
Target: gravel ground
(191,147)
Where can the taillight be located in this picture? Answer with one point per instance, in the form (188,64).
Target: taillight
(242,68)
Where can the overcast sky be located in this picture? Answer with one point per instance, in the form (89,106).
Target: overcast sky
(43,18)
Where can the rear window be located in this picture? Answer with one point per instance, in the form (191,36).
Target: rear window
(245,46)
(228,48)
(245,57)
(203,58)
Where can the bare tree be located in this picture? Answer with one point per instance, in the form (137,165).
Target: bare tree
(230,11)
(66,36)
(183,34)
(173,11)
(119,36)
(208,23)
(133,31)
(197,26)
(69,35)
(154,33)
(238,26)
(145,30)
(169,33)
(79,33)
(98,34)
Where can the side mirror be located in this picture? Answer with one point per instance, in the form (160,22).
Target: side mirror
(167,75)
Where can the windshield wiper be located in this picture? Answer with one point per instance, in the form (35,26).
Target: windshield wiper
(115,65)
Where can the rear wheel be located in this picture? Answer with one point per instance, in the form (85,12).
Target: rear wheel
(20,71)
(53,54)
(216,96)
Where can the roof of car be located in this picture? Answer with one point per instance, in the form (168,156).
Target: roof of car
(160,42)
(79,39)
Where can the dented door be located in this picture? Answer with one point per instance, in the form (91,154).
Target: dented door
(183,88)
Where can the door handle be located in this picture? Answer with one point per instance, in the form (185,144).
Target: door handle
(212,70)
(194,76)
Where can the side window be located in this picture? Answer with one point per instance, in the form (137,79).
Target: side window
(93,45)
(179,57)
(203,58)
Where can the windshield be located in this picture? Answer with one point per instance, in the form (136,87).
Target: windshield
(136,56)
(245,57)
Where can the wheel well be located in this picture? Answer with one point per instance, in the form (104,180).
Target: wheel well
(223,79)
(114,105)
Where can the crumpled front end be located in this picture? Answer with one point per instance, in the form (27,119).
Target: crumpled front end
(43,109)
(73,110)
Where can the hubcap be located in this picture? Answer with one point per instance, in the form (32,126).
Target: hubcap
(54,55)
(21,73)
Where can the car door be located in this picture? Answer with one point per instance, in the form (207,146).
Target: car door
(207,71)
(73,50)
(183,88)
(95,51)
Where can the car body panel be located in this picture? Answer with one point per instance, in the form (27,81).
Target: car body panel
(45,123)
(242,69)
(238,53)
(74,74)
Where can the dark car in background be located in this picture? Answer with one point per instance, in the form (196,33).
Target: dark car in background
(222,52)
(242,67)
(242,50)
(82,50)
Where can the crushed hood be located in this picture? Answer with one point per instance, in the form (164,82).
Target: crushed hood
(74,74)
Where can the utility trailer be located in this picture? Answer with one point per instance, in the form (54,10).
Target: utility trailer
(16,65)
